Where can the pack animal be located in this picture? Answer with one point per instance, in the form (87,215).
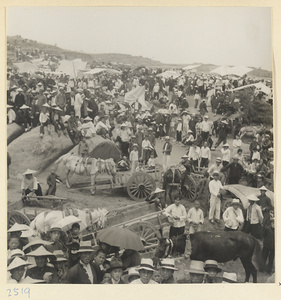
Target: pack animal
(223,247)
(87,166)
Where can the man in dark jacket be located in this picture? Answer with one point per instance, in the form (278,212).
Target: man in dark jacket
(167,149)
(83,272)
(235,171)
(116,270)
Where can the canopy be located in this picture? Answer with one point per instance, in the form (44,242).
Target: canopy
(71,67)
(99,70)
(263,88)
(191,67)
(137,94)
(240,70)
(222,70)
(168,74)
(25,67)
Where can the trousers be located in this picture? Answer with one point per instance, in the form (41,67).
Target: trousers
(215,208)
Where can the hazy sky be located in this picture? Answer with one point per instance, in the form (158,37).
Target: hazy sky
(232,36)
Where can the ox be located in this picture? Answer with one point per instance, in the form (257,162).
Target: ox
(87,166)
(222,246)
(43,221)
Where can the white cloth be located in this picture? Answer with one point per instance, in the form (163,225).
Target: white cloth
(43,117)
(11,115)
(31,184)
(235,216)
(194,153)
(78,101)
(215,202)
(146,144)
(225,154)
(176,211)
(206,126)
(215,168)
(237,143)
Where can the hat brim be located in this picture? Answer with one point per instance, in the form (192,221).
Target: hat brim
(145,268)
(85,250)
(169,268)
(197,272)
(127,277)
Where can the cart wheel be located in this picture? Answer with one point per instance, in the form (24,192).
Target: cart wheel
(148,234)
(17,217)
(140,186)
(190,188)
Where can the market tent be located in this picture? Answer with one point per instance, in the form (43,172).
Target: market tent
(25,67)
(137,93)
(168,74)
(222,70)
(239,71)
(71,67)
(263,88)
(191,67)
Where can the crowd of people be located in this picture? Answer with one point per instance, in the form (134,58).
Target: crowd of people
(81,108)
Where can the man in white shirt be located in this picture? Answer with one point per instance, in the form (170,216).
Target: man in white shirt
(176,214)
(195,217)
(193,155)
(225,155)
(215,202)
(205,155)
(254,217)
(78,101)
(146,270)
(206,128)
(233,216)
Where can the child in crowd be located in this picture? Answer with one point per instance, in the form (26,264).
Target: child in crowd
(134,158)
(151,162)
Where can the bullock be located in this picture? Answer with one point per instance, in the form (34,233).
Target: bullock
(87,166)
(222,246)
(89,219)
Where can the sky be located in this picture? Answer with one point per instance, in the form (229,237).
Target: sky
(178,35)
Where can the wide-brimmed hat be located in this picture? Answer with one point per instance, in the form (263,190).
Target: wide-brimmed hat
(123,125)
(9,106)
(263,188)
(146,264)
(167,137)
(55,227)
(197,267)
(131,272)
(16,252)
(20,90)
(226,145)
(79,90)
(88,119)
(229,277)
(57,108)
(224,122)
(236,156)
(28,172)
(215,173)
(85,247)
(206,117)
(13,87)
(168,263)
(24,107)
(18,227)
(235,201)
(158,190)
(252,197)
(59,255)
(218,159)
(210,263)
(41,251)
(36,241)
(46,105)
(39,83)
(184,156)
(135,145)
(17,262)
(116,263)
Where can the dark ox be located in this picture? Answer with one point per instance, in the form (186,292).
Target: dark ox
(222,246)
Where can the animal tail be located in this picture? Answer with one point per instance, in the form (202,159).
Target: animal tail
(258,255)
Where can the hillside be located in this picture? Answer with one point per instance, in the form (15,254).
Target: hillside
(113,58)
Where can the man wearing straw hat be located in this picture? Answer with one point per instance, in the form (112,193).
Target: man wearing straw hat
(229,277)
(215,187)
(55,234)
(196,271)
(145,270)
(265,204)
(42,270)
(83,272)
(17,270)
(30,185)
(254,218)
(212,269)
(233,216)
(167,269)
(60,264)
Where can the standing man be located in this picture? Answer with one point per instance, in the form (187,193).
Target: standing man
(176,214)
(195,217)
(215,202)
(167,149)
(78,101)
(235,171)
(83,272)
(233,216)
(265,204)
(206,128)
(254,217)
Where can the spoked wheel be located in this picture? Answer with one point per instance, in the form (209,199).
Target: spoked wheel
(17,217)
(148,234)
(190,188)
(140,186)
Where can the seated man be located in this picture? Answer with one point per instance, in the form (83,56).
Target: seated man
(167,269)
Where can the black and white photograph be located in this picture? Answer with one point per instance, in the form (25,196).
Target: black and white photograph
(140,145)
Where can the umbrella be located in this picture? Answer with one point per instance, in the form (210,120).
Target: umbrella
(67,222)
(120,237)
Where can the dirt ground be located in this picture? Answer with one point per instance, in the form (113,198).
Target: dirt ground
(23,149)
